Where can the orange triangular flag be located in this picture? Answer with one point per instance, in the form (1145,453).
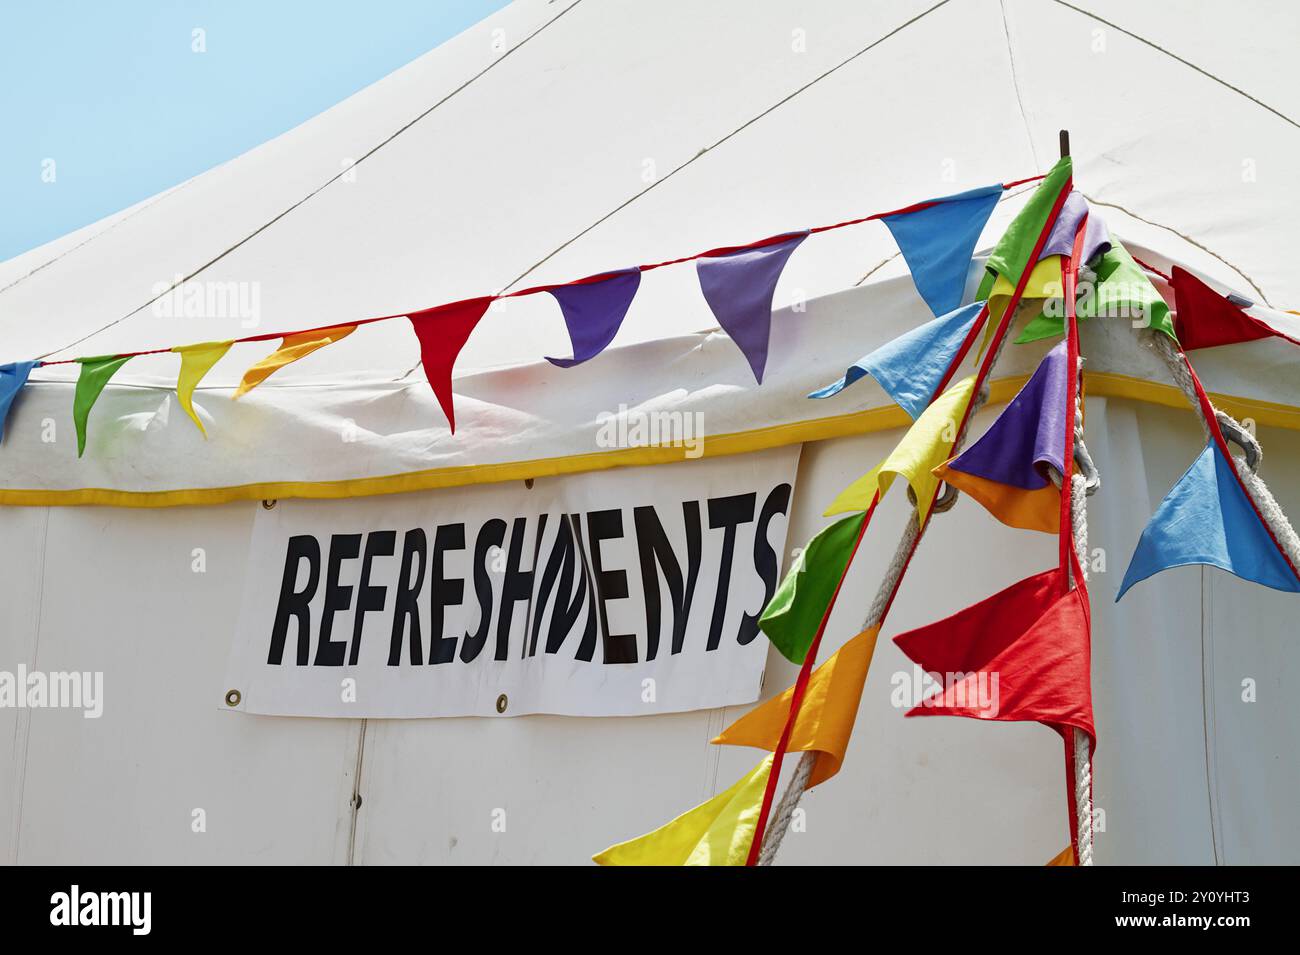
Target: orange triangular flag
(1064,857)
(825,722)
(292,347)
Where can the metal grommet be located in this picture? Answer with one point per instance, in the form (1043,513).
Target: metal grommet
(268,504)
(502,702)
(233,697)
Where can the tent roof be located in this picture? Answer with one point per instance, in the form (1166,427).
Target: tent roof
(602,136)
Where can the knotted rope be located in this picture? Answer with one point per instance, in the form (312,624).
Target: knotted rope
(1266,505)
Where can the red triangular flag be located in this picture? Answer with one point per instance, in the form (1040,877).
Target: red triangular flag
(1022,654)
(442,332)
(1206,318)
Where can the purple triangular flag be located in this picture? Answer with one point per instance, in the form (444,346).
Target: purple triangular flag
(938,241)
(594,311)
(1029,433)
(738,287)
(1060,241)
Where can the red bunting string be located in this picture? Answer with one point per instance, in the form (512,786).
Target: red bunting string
(986,366)
(455,307)
(985,369)
(796,698)
(1216,435)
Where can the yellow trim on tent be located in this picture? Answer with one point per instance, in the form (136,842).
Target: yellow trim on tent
(819,429)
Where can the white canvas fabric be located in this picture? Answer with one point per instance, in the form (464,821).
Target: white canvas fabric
(586,136)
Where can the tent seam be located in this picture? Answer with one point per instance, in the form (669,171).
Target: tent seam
(704,152)
(333,179)
(1187,238)
(1174,56)
(1015,85)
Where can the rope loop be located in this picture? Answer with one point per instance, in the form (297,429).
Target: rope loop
(1240,436)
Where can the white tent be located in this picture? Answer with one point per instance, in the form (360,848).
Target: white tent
(559,139)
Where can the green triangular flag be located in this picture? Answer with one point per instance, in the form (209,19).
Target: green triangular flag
(95,373)
(795,611)
(1010,256)
(1123,291)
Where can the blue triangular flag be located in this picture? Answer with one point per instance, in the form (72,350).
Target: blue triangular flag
(12,378)
(911,366)
(738,287)
(1207,519)
(937,243)
(594,311)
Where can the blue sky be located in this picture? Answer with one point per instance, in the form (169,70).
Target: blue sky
(116,96)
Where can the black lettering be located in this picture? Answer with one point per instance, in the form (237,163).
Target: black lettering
(656,553)
(404,601)
(490,535)
(727,513)
(378,544)
(610,584)
(444,593)
(330,653)
(562,563)
(516,586)
(294,603)
(765,560)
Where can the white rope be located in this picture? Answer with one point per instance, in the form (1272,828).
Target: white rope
(1082,743)
(794,790)
(1247,464)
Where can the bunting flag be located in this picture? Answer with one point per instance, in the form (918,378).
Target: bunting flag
(593,313)
(13,377)
(826,714)
(1023,654)
(718,832)
(927,444)
(1123,291)
(739,286)
(292,348)
(1005,470)
(95,373)
(937,243)
(793,615)
(1064,857)
(1207,519)
(911,366)
(1206,319)
(1060,241)
(1044,283)
(196,361)
(1011,254)
(443,332)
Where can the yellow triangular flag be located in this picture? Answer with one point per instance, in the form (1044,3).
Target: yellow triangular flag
(718,832)
(927,444)
(826,716)
(196,361)
(1044,282)
(292,347)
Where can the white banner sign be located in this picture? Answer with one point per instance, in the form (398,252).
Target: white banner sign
(615,593)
